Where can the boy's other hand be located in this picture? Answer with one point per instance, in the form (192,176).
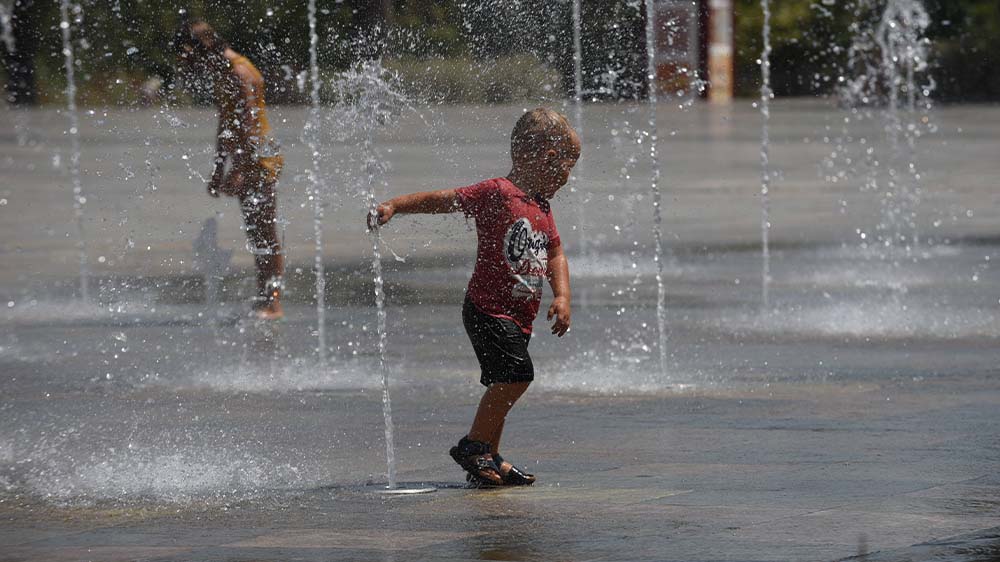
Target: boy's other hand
(561,312)
(213,186)
(380,215)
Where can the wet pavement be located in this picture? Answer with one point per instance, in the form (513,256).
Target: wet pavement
(803,472)
(144,170)
(856,416)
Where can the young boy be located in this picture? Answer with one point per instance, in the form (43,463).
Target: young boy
(518,246)
(243,140)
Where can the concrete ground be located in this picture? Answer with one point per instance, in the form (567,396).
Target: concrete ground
(143,176)
(858,418)
(891,471)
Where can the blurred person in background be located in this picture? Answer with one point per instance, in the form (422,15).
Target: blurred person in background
(247,161)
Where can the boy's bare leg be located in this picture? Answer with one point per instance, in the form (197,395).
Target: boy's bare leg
(496,402)
(495,439)
(262,232)
(494,442)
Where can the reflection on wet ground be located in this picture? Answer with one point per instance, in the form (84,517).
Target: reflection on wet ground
(274,464)
(856,416)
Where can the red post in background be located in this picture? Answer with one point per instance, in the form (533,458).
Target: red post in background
(720,51)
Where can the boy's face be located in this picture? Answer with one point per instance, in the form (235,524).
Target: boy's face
(557,162)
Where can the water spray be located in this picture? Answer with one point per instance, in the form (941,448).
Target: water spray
(316,190)
(661,312)
(765,153)
(79,199)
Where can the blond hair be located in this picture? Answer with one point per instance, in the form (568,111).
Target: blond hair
(538,130)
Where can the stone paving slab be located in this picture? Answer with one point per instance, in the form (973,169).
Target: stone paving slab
(95,554)
(981,546)
(832,526)
(355,539)
(652,483)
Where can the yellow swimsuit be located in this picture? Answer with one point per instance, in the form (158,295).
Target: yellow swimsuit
(265,149)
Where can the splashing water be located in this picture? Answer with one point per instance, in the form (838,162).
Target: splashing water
(6,29)
(167,117)
(212,262)
(578,115)
(79,199)
(900,36)
(390,455)
(887,57)
(310,133)
(661,309)
(765,153)
(21,128)
(368,98)
(135,472)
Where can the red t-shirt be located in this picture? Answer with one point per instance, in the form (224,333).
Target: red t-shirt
(515,233)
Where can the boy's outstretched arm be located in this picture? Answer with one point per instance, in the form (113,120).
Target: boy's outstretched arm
(443,201)
(558,273)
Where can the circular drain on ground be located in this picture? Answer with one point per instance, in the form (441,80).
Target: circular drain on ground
(404,489)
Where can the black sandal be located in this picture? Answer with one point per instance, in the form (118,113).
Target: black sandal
(515,476)
(475,458)
(475,482)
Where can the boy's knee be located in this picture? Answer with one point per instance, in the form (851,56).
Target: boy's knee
(511,388)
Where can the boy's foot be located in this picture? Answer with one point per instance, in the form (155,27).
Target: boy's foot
(475,458)
(512,475)
(475,482)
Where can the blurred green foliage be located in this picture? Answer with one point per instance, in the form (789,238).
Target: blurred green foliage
(966,36)
(810,40)
(120,44)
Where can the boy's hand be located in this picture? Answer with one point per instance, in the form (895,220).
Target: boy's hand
(560,311)
(380,215)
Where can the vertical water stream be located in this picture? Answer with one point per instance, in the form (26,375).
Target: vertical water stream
(79,199)
(765,157)
(661,308)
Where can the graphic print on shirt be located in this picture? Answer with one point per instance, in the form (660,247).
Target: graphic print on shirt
(527,255)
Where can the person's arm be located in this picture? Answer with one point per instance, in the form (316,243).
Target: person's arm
(219,163)
(443,201)
(558,273)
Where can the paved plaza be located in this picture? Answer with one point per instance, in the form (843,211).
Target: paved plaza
(855,417)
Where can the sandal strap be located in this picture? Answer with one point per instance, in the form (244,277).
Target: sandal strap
(514,476)
(474,457)
(500,460)
(468,447)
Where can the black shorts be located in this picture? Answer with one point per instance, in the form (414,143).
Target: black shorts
(500,345)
